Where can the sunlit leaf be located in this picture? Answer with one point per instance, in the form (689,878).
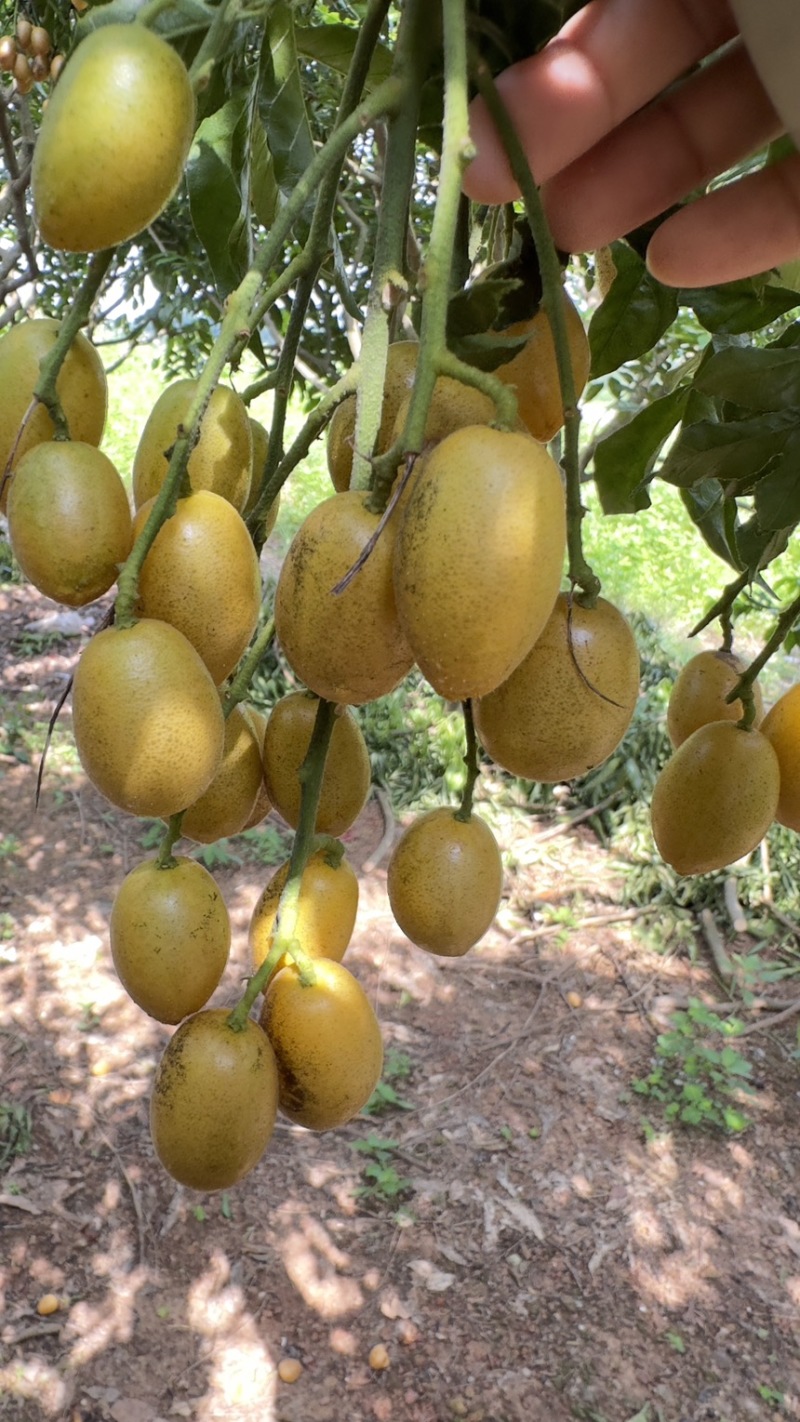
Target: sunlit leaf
(213,174)
(623,461)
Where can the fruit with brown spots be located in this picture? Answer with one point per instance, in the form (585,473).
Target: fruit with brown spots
(444,880)
(699,693)
(345,779)
(222,459)
(228,803)
(326,910)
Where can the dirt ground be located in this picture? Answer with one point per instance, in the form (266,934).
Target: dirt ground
(529,1250)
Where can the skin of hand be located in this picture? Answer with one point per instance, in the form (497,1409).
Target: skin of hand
(621,118)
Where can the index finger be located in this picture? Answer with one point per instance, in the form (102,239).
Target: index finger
(609,60)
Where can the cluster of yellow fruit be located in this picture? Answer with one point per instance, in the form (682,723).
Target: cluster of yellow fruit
(28,56)
(722,789)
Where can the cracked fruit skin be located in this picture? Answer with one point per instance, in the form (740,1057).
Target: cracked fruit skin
(698,695)
(347,774)
(552,720)
(222,459)
(170,937)
(478,558)
(327,1044)
(201,574)
(81,388)
(113,141)
(781,726)
(147,718)
(226,806)
(715,799)
(69,521)
(349,646)
(445,879)
(533,371)
(214,1101)
(326,911)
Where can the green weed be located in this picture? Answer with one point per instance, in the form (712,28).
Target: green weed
(695,1080)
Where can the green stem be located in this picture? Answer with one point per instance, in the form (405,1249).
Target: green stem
(150,12)
(249,665)
(723,604)
(214,43)
(503,395)
(471,761)
(310,773)
(580,573)
(743,690)
(165,858)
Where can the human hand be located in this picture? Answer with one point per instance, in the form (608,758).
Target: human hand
(614,140)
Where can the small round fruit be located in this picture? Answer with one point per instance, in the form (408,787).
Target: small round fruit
(69,521)
(327,1044)
(170,937)
(81,389)
(781,727)
(716,798)
(478,558)
(533,371)
(147,718)
(260,450)
(346,646)
(8,54)
(326,911)
(568,704)
(201,574)
(222,459)
(113,140)
(226,806)
(445,879)
(345,779)
(698,695)
(214,1101)
(339,443)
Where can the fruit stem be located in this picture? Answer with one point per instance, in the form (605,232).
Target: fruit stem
(742,691)
(580,573)
(310,776)
(723,604)
(247,668)
(165,858)
(50,366)
(471,761)
(388,284)
(213,44)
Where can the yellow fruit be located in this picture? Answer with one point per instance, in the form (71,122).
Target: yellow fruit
(453,406)
(69,521)
(781,727)
(263,804)
(444,880)
(170,937)
(716,798)
(478,558)
(327,1044)
(339,443)
(113,140)
(698,695)
(147,718)
(534,373)
(345,780)
(290,1370)
(401,366)
(260,449)
(326,911)
(202,576)
(226,806)
(214,1101)
(222,459)
(569,702)
(345,646)
(81,388)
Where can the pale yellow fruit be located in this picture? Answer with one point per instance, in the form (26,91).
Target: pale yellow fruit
(401,367)
(222,459)
(478,558)
(339,443)
(113,140)
(226,806)
(345,779)
(263,804)
(147,718)
(716,798)
(570,701)
(444,880)
(201,574)
(699,693)
(781,726)
(533,371)
(453,406)
(326,911)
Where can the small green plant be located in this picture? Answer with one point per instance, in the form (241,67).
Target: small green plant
(218,855)
(266,845)
(697,1081)
(89,1018)
(381,1180)
(15,1131)
(9,846)
(385,1097)
(199,1214)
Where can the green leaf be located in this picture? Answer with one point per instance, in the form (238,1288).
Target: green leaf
(634,315)
(754,378)
(757,546)
(707,509)
(183,17)
(214,173)
(624,460)
(333,46)
(778,493)
(263,187)
(475,309)
(739,306)
(281,101)
(740,449)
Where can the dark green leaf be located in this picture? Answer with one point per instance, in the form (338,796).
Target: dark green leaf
(754,378)
(734,451)
(183,17)
(281,100)
(778,493)
(757,546)
(263,187)
(633,316)
(623,461)
(478,307)
(739,305)
(333,46)
(213,174)
(707,509)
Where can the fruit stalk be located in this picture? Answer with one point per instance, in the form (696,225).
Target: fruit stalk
(247,668)
(724,603)
(743,688)
(165,858)
(471,761)
(580,573)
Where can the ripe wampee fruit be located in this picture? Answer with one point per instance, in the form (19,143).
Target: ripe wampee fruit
(781,726)
(345,779)
(444,880)
(699,693)
(222,459)
(326,910)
